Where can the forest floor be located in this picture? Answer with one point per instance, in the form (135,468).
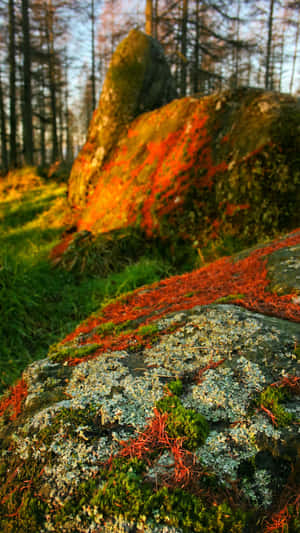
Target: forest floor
(41,304)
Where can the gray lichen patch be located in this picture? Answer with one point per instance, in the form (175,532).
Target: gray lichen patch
(123,398)
(284,270)
(224,395)
(228,331)
(224,451)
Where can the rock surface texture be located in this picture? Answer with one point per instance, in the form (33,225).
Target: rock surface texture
(175,408)
(196,169)
(138,80)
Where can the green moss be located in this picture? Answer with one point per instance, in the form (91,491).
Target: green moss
(182,422)
(189,294)
(148,330)
(59,352)
(110,328)
(175,387)
(228,299)
(71,420)
(125,492)
(271,398)
(297,352)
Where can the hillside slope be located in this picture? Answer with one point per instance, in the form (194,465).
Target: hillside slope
(174,408)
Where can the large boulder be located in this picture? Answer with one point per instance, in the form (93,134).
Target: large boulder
(174,409)
(138,80)
(198,170)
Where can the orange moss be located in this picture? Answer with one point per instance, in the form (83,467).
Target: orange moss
(246,276)
(155,438)
(279,520)
(61,247)
(14,401)
(147,181)
(232,208)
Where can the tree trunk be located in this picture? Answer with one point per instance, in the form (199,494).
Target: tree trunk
(269,45)
(52,82)
(27,95)
(61,126)
(12,85)
(237,51)
(196,50)
(93,76)
(155,19)
(4,158)
(183,73)
(42,112)
(281,61)
(149,17)
(69,138)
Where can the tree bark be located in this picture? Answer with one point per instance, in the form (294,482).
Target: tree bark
(4,158)
(27,94)
(12,85)
(52,81)
(269,45)
(196,49)
(149,17)
(183,73)
(93,76)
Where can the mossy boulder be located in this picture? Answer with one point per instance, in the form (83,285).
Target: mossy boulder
(138,80)
(174,408)
(198,171)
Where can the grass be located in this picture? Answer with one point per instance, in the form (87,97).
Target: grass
(39,304)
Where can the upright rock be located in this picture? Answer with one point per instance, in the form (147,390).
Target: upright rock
(138,80)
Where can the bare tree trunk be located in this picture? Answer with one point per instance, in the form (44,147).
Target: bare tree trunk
(237,51)
(12,85)
(52,84)
(155,19)
(69,138)
(269,45)
(61,126)
(149,17)
(42,125)
(196,50)
(183,76)
(4,158)
(93,77)
(27,95)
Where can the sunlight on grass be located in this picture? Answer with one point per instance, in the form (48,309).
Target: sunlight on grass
(40,304)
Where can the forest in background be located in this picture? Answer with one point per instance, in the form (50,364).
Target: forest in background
(213,44)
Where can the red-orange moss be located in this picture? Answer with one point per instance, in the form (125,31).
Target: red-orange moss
(248,276)
(14,401)
(61,247)
(279,520)
(153,180)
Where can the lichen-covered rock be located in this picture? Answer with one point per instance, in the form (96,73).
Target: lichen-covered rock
(138,80)
(173,409)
